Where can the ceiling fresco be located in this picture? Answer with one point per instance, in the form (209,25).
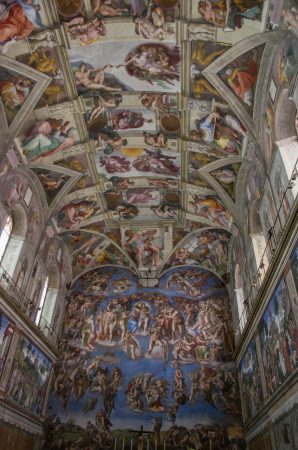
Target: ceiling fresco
(138,121)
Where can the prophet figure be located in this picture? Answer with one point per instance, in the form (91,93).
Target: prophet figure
(138,243)
(18,20)
(223,129)
(46,137)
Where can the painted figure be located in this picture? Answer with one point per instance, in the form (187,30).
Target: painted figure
(18,19)
(153,25)
(85,32)
(211,209)
(139,243)
(124,120)
(106,9)
(73,214)
(242,81)
(109,141)
(46,137)
(153,62)
(156,162)
(155,102)
(115,164)
(290,17)
(14,93)
(144,197)
(94,78)
(155,140)
(104,101)
(229,14)
(44,60)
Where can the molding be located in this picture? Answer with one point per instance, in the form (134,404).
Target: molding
(74,178)
(42,81)
(270,411)
(26,326)
(274,271)
(211,73)
(287,407)
(19,419)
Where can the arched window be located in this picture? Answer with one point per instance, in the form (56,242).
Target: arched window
(239,295)
(41,301)
(5,235)
(49,305)
(14,235)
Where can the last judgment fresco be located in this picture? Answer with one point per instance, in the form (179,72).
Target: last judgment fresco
(159,358)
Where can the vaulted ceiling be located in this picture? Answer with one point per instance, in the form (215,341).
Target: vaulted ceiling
(147,129)
(137,128)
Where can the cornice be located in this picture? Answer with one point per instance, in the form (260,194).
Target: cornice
(281,402)
(26,326)
(11,415)
(274,271)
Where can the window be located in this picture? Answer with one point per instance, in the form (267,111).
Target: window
(12,239)
(240,300)
(41,301)
(50,302)
(239,290)
(47,313)
(5,235)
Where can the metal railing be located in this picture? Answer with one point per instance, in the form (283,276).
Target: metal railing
(274,235)
(18,297)
(146,442)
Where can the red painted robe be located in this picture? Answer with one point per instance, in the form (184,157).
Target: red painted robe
(15,25)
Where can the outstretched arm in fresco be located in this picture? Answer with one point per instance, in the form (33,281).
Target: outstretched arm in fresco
(97,83)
